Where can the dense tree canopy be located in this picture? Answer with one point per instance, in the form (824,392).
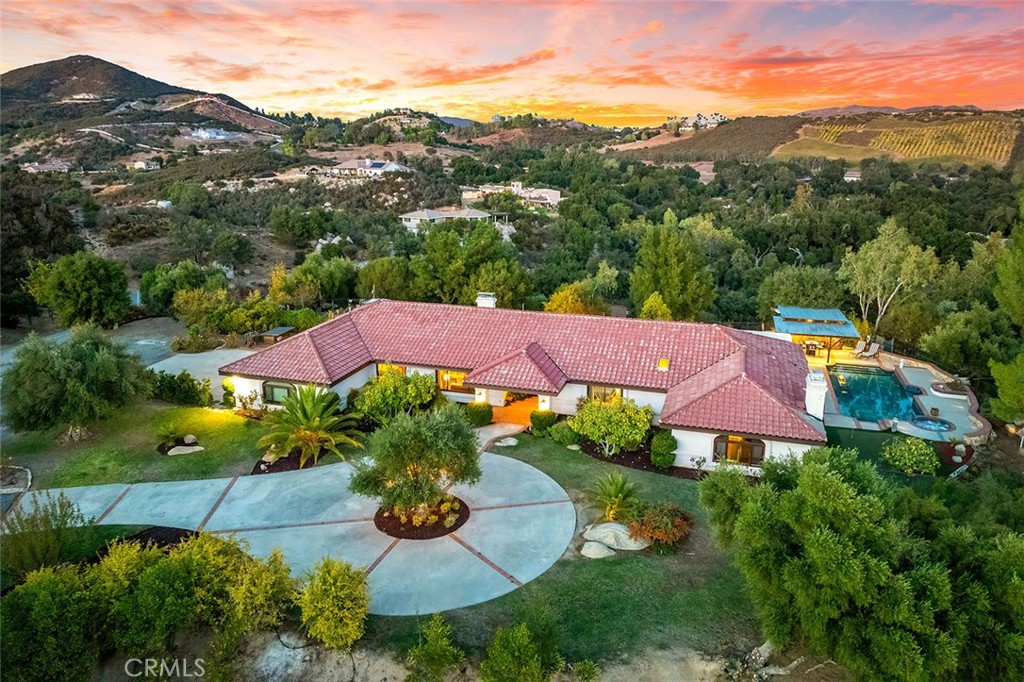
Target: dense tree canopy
(82,288)
(74,383)
(891,584)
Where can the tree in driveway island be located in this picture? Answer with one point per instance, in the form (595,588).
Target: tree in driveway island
(415,457)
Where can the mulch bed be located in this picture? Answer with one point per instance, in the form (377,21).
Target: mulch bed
(164,448)
(162,536)
(638,459)
(390,525)
(290,463)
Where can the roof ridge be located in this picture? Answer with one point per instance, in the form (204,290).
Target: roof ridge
(740,349)
(771,396)
(355,325)
(319,358)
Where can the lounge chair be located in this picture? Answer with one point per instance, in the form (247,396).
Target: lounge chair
(873,351)
(859,348)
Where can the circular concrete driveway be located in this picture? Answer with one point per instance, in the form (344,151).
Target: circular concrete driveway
(521,523)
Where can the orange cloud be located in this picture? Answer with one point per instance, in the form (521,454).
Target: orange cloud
(448,75)
(204,64)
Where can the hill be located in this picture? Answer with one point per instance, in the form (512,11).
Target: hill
(457,122)
(81,78)
(957,136)
(858,109)
(744,139)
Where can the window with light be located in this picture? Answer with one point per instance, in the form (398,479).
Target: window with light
(739,450)
(452,380)
(603,392)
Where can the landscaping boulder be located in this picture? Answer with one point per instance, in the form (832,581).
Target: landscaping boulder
(573,447)
(595,550)
(614,535)
(185,450)
(506,442)
(190,439)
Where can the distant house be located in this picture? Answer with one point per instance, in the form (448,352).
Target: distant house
(851,176)
(371,168)
(547,198)
(51,166)
(413,220)
(213,134)
(146,165)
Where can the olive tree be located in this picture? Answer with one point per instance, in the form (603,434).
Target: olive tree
(416,456)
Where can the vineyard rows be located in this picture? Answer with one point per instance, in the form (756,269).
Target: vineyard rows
(984,139)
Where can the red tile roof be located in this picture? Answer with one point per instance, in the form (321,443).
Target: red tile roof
(540,352)
(528,369)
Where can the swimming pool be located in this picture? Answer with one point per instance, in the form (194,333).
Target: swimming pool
(871,394)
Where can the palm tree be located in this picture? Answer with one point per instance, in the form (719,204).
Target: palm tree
(311,422)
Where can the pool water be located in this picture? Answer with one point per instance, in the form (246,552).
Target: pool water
(871,394)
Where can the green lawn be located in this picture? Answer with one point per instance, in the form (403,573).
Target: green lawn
(123,448)
(608,608)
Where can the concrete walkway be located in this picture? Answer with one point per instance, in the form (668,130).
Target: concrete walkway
(521,523)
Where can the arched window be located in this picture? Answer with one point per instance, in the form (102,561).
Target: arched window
(739,450)
(274,392)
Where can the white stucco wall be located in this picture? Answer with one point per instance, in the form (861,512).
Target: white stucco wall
(244,386)
(655,400)
(695,445)
(353,381)
(565,401)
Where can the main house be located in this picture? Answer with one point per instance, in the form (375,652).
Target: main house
(727,395)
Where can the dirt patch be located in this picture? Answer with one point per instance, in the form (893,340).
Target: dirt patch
(389,524)
(289,463)
(656,141)
(162,536)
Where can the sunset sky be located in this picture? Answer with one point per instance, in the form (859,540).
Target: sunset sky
(601,62)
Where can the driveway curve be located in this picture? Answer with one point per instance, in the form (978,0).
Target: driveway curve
(521,523)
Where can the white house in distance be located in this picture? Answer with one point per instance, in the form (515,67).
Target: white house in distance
(413,220)
(145,165)
(50,166)
(371,168)
(726,395)
(536,196)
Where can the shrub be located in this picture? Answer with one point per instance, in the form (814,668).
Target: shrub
(183,389)
(911,456)
(186,589)
(663,449)
(301,318)
(614,424)
(334,603)
(51,532)
(228,386)
(392,393)
(195,341)
(586,671)
(480,413)
(663,523)
(512,655)
(435,655)
(49,627)
(562,433)
(541,421)
(615,495)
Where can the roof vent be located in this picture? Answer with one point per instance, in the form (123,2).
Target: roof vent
(663,365)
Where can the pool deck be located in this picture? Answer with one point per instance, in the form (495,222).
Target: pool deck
(961,410)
